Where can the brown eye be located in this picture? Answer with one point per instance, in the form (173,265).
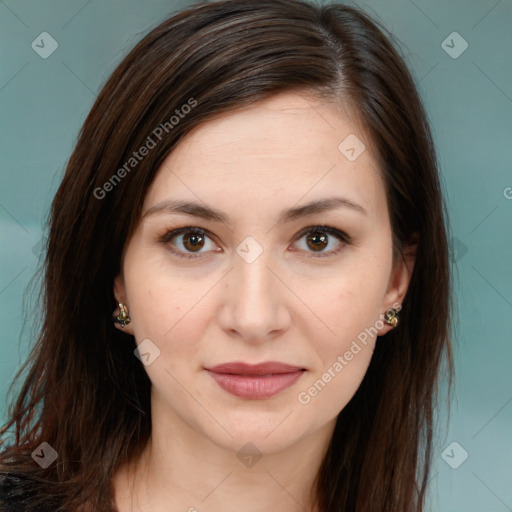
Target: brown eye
(193,241)
(320,241)
(189,242)
(317,241)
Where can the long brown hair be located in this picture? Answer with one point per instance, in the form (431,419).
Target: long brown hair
(86,394)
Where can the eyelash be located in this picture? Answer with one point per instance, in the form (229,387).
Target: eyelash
(322,230)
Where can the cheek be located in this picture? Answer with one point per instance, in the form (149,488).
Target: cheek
(344,304)
(164,308)
(331,389)
(342,358)
(344,334)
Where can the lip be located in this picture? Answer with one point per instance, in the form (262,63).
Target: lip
(255,382)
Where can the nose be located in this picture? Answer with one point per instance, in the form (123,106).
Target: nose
(255,304)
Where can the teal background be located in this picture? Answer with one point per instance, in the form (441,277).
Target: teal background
(43,103)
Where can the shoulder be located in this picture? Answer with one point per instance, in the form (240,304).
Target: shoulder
(23,487)
(13,492)
(20,492)
(17,493)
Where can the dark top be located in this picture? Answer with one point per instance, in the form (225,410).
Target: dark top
(17,493)
(12,490)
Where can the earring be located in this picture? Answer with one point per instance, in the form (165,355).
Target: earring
(390,317)
(123,317)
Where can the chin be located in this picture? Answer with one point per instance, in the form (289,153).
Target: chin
(267,432)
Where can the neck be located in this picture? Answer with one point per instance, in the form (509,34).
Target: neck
(181,469)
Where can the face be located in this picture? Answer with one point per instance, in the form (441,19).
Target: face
(255,272)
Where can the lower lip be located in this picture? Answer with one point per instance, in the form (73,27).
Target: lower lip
(254,387)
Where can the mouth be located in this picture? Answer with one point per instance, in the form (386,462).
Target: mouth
(255,382)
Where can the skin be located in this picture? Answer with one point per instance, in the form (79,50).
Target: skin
(288,305)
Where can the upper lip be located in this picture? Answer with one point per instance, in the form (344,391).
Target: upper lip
(269,367)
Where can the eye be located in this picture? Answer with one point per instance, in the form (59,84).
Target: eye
(322,241)
(191,239)
(189,242)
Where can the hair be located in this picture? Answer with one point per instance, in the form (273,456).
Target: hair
(86,394)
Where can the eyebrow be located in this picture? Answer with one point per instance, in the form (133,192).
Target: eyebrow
(208,213)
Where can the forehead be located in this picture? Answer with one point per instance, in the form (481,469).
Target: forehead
(279,150)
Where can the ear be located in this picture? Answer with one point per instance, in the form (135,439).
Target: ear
(120,296)
(399,281)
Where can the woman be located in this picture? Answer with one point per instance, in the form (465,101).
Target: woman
(247,292)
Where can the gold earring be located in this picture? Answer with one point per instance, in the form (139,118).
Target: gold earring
(390,317)
(123,317)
